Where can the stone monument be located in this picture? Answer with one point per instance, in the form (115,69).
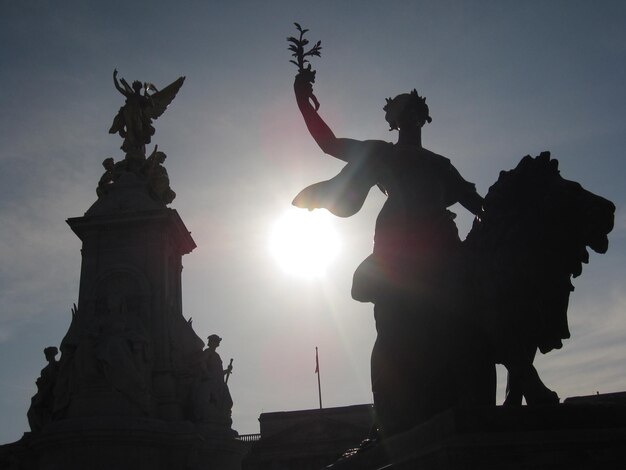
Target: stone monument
(447,310)
(134,387)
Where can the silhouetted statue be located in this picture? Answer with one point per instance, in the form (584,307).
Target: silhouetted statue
(108,177)
(440,305)
(40,411)
(410,277)
(212,396)
(133,121)
(530,241)
(158,180)
(136,174)
(66,383)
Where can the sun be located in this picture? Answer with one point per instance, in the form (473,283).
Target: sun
(304,243)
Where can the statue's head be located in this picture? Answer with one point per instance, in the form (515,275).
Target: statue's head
(108,163)
(214,341)
(160,157)
(137,86)
(406,110)
(50,352)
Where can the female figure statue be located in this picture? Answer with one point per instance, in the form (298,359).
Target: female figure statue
(413,276)
(132,121)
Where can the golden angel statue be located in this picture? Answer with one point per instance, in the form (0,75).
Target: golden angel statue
(144,103)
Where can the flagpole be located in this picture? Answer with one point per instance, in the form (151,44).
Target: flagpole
(317,371)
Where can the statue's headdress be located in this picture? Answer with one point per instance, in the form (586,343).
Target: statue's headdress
(50,351)
(214,338)
(406,106)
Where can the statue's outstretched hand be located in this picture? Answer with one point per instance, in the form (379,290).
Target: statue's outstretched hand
(303,88)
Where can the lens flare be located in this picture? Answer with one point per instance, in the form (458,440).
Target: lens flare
(304,243)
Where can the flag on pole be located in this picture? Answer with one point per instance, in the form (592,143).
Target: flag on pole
(317,371)
(317,362)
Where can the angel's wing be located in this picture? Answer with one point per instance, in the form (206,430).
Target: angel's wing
(163,98)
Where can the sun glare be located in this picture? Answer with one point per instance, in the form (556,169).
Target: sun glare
(304,243)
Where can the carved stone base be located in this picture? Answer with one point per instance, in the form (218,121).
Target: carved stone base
(562,437)
(99,401)
(133,444)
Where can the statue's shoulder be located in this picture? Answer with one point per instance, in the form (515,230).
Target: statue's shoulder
(435,157)
(379,143)
(377,147)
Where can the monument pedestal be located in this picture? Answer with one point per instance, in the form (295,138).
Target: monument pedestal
(132,390)
(135,387)
(563,437)
(133,444)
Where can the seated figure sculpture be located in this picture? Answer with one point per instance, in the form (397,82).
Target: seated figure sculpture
(157,177)
(108,177)
(40,411)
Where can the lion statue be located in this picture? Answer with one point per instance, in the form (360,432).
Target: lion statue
(528,244)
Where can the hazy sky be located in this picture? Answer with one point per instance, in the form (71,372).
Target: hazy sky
(503,79)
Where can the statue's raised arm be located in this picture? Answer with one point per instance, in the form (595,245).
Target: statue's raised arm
(124,91)
(296,46)
(344,194)
(341,148)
